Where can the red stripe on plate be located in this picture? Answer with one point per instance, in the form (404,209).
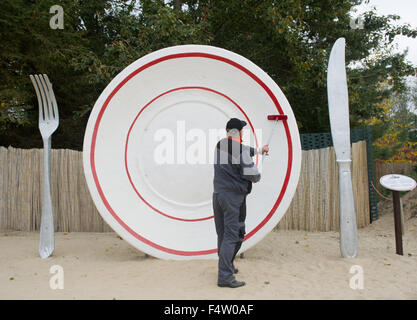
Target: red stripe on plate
(130,76)
(134,121)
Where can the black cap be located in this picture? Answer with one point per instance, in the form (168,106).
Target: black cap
(235,123)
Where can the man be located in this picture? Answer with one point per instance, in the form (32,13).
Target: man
(234,173)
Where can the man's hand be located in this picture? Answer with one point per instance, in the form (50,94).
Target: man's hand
(265,149)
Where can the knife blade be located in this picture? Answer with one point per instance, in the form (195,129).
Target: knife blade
(338,100)
(337,92)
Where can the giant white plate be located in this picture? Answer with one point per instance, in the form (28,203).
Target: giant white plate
(170,100)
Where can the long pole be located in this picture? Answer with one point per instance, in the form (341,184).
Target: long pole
(397,222)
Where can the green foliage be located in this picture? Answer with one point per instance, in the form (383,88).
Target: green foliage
(291,40)
(30,46)
(394,135)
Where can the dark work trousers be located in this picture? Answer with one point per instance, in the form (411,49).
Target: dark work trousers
(229,217)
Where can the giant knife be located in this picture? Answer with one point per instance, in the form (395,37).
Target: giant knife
(337,93)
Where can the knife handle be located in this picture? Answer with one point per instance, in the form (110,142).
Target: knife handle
(348,228)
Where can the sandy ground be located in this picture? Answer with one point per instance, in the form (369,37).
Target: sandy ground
(284,265)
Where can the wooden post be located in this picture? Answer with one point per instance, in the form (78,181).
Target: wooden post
(397,222)
(402,216)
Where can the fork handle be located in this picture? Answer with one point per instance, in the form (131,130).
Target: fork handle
(46,243)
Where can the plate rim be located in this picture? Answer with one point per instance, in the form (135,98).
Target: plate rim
(148,60)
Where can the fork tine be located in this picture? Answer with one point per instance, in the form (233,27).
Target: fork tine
(38,95)
(45,103)
(48,98)
(52,96)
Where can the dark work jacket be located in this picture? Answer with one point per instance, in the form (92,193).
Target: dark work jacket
(234,170)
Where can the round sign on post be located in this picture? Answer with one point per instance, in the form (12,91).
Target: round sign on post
(149,148)
(397,183)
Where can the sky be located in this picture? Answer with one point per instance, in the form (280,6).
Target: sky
(407,10)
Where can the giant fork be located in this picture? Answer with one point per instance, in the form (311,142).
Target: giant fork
(48,123)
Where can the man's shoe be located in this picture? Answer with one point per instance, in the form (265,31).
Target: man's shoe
(233,284)
(236,270)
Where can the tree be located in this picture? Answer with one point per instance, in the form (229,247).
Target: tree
(291,40)
(394,131)
(30,46)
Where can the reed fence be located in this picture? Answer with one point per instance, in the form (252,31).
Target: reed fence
(21,177)
(315,206)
